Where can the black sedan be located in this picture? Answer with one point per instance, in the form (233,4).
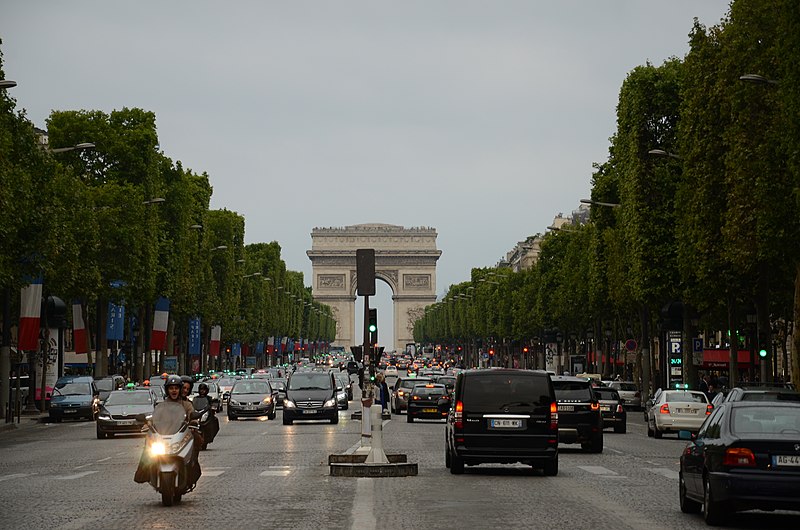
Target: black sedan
(612,409)
(746,456)
(120,411)
(252,397)
(428,401)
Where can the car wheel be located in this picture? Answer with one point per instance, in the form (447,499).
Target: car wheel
(649,431)
(687,504)
(657,434)
(100,434)
(272,415)
(446,455)
(596,445)
(456,464)
(346,406)
(287,421)
(621,429)
(550,468)
(335,420)
(231,417)
(409,418)
(712,510)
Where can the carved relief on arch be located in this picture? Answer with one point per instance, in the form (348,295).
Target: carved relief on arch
(391,277)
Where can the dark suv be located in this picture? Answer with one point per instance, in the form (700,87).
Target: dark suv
(579,417)
(310,396)
(503,416)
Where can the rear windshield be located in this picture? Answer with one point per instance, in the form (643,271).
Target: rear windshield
(686,397)
(573,390)
(446,380)
(498,391)
(770,396)
(627,387)
(766,420)
(411,383)
(606,394)
(423,391)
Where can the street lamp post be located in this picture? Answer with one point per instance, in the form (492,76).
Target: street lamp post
(7,83)
(144,369)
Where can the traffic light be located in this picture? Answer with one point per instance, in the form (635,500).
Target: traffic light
(525,349)
(763,349)
(491,351)
(373,326)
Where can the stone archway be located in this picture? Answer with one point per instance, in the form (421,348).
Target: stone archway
(405,258)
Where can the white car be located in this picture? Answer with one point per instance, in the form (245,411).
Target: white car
(677,410)
(390,371)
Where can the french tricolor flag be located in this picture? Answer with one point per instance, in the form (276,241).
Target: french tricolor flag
(79,328)
(213,347)
(29,313)
(158,340)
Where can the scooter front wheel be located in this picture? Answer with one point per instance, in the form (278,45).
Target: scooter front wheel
(167,481)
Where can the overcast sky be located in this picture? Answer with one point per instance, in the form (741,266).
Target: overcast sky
(480,119)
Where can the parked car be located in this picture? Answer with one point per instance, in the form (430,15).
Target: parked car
(502,416)
(611,409)
(310,396)
(122,411)
(678,410)
(74,397)
(430,401)
(579,417)
(252,397)
(629,392)
(398,401)
(746,456)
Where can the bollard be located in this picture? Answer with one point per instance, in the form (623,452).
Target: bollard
(376,453)
(365,422)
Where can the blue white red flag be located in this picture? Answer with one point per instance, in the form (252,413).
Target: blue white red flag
(158,340)
(29,314)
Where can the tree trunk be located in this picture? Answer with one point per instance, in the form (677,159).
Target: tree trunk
(794,364)
(689,368)
(646,353)
(733,359)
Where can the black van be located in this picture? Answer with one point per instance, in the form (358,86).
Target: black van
(579,409)
(310,396)
(503,416)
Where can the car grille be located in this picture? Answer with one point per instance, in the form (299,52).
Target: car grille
(123,416)
(309,404)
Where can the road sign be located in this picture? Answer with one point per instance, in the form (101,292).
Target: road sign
(697,345)
(631,345)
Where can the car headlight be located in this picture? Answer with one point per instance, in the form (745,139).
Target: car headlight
(330,403)
(267,400)
(158,448)
(104,416)
(55,405)
(233,402)
(289,404)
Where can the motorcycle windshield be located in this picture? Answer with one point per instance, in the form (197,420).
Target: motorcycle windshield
(201,403)
(168,417)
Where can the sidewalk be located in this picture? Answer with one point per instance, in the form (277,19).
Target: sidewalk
(25,422)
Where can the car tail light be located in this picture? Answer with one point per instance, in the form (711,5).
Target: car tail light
(664,409)
(458,421)
(620,409)
(414,397)
(739,457)
(553,416)
(595,406)
(709,408)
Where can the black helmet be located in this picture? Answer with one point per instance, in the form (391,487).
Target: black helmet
(202,386)
(188,379)
(173,380)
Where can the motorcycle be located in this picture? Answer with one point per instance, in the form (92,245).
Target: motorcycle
(168,461)
(209,424)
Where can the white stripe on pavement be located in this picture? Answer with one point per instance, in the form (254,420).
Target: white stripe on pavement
(664,472)
(213,472)
(363,513)
(16,476)
(275,473)
(105,459)
(77,475)
(614,451)
(598,470)
(83,466)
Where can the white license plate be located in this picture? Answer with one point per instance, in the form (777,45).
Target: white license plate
(786,460)
(506,424)
(126,422)
(566,408)
(605,408)
(70,411)
(686,411)
(309,412)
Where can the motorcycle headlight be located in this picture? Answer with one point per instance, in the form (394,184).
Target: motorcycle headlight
(289,404)
(330,403)
(158,448)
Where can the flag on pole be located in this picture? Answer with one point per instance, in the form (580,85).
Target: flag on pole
(29,313)
(213,347)
(260,348)
(158,340)
(236,349)
(283,344)
(115,324)
(270,345)
(79,328)
(194,336)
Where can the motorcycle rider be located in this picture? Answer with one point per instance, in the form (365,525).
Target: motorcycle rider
(187,384)
(202,402)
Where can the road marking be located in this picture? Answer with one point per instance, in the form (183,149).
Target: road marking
(664,472)
(598,470)
(16,476)
(615,451)
(353,449)
(77,475)
(105,459)
(83,466)
(363,515)
(121,453)
(86,424)
(275,473)
(213,472)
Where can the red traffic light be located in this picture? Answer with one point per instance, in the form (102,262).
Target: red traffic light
(525,349)
(491,351)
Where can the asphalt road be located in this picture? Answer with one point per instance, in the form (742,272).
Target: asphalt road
(262,474)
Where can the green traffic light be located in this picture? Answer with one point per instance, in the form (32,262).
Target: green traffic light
(372,328)
(762,353)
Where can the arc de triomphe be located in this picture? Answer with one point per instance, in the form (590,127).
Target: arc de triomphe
(405,258)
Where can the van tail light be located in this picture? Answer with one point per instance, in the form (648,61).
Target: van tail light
(709,408)
(595,405)
(553,416)
(739,457)
(620,409)
(664,409)
(458,421)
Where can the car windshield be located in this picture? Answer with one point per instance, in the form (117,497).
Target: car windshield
(498,391)
(423,391)
(310,381)
(627,387)
(411,383)
(104,384)
(766,420)
(770,396)
(226,381)
(73,389)
(686,397)
(279,384)
(449,381)
(129,398)
(573,390)
(606,394)
(251,387)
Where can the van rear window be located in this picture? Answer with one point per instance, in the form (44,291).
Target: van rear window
(573,390)
(497,391)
